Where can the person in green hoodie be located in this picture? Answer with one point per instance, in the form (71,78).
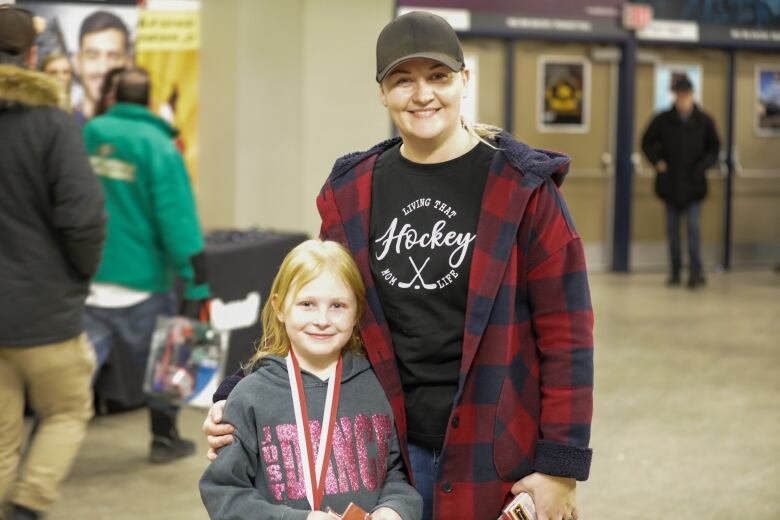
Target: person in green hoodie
(153,236)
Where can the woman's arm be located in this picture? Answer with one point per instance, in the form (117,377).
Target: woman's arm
(562,319)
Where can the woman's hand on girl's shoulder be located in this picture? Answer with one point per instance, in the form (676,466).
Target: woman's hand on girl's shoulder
(385,513)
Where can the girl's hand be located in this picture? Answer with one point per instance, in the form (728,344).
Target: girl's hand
(385,513)
(217,434)
(555,498)
(319,515)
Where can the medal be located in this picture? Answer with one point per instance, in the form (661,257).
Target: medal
(314,472)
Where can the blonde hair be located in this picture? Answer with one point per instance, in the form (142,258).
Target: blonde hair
(303,264)
(482,132)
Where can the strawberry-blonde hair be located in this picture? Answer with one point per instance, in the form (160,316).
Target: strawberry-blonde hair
(303,264)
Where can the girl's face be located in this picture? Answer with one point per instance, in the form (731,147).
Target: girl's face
(319,320)
(423,98)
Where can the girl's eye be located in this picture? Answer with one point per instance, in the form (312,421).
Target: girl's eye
(305,304)
(339,305)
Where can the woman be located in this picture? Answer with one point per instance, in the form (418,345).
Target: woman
(479,324)
(57,65)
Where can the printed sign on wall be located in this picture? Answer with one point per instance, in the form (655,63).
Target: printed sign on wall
(768,100)
(563,97)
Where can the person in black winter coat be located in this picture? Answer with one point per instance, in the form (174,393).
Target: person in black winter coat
(52,227)
(682,143)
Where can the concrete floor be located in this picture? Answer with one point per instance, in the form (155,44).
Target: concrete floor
(687,418)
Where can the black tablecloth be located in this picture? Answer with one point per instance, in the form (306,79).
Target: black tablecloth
(238,268)
(238,263)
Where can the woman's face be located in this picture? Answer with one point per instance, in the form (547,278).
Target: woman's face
(423,98)
(60,69)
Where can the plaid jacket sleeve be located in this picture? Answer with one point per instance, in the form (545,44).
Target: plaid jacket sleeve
(562,321)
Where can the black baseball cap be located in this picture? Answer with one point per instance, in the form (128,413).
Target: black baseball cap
(17,31)
(682,84)
(417,34)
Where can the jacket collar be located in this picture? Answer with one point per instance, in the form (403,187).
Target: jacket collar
(535,165)
(140,112)
(27,88)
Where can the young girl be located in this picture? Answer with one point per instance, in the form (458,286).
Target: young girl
(313,427)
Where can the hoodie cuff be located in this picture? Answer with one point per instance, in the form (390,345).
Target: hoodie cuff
(197,292)
(561,460)
(225,387)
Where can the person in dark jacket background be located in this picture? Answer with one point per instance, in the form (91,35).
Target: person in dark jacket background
(681,143)
(52,223)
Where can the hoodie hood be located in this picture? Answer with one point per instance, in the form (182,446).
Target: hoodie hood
(276,368)
(26,88)
(534,165)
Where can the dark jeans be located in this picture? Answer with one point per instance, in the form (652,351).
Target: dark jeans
(692,216)
(132,328)
(425,464)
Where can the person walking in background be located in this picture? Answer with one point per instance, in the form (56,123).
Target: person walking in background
(52,226)
(479,325)
(310,363)
(153,235)
(681,143)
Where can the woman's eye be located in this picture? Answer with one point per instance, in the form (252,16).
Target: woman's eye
(403,81)
(440,76)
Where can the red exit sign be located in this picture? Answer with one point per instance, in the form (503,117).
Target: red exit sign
(637,16)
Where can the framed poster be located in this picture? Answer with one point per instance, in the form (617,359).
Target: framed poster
(666,74)
(767,120)
(563,94)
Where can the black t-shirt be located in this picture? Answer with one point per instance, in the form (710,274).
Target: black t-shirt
(423,230)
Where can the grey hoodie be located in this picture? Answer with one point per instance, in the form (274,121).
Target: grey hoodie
(259,475)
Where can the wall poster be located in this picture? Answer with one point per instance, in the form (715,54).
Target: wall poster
(767,100)
(563,94)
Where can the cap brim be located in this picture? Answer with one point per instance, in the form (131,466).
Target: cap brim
(444,59)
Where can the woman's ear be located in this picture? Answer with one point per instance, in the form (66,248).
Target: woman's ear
(466,75)
(382,96)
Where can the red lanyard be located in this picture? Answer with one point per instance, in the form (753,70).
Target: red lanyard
(315,487)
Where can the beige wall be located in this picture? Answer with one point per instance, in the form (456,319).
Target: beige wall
(286,88)
(757,183)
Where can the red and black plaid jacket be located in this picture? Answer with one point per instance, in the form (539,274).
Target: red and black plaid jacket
(524,399)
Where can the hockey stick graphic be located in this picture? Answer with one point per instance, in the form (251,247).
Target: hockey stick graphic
(406,285)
